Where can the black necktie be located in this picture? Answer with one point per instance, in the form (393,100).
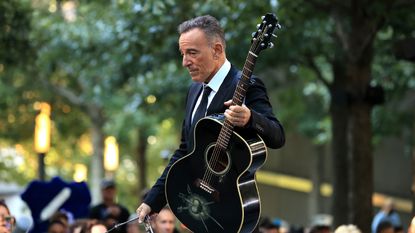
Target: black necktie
(201,109)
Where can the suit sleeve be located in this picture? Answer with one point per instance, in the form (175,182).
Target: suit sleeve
(262,119)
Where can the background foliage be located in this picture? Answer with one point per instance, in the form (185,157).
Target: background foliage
(120,59)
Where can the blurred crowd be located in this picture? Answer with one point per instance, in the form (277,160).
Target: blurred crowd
(111,216)
(107,216)
(386,220)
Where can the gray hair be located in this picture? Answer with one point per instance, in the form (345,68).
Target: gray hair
(208,24)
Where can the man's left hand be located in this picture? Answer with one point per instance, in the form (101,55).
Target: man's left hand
(237,115)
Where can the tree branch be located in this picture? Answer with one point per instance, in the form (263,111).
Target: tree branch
(69,95)
(313,66)
(64,92)
(340,32)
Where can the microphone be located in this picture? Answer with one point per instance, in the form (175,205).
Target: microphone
(147,224)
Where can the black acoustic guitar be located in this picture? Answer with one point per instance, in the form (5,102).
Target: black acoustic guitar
(213,188)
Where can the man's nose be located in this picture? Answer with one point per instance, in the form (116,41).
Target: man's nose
(185,61)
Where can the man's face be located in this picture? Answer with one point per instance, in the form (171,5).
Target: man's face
(108,194)
(198,55)
(165,221)
(6,221)
(57,228)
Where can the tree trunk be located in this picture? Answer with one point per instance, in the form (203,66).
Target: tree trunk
(339,111)
(413,169)
(361,189)
(97,167)
(141,160)
(352,151)
(97,118)
(352,126)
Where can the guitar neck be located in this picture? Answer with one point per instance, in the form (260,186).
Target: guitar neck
(238,97)
(260,41)
(243,84)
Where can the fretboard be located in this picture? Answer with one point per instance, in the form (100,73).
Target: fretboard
(238,98)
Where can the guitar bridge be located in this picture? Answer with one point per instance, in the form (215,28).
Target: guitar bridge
(203,185)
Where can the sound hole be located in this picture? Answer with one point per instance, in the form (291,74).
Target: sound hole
(218,160)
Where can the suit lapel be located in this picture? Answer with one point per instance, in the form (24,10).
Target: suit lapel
(224,93)
(194,93)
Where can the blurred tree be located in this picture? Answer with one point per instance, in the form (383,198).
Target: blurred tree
(115,68)
(341,36)
(87,53)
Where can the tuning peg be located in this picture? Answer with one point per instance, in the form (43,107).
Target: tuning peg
(278,26)
(253,34)
(258,25)
(274,35)
(263,17)
(266,34)
(270,45)
(262,45)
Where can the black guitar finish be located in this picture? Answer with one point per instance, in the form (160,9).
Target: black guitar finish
(213,188)
(226,198)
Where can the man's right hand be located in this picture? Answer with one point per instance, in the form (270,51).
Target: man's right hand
(142,211)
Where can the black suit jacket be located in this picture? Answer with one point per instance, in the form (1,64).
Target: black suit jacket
(263,122)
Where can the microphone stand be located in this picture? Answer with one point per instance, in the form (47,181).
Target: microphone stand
(147,224)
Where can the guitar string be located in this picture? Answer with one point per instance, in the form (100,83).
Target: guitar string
(216,153)
(212,163)
(218,148)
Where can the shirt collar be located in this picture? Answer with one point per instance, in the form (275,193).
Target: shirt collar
(218,78)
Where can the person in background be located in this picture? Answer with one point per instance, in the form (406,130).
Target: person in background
(56,226)
(387,213)
(134,226)
(60,217)
(385,227)
(7,221)
(87,226)
(399,229)
(109,211)
(266,226)
(347,229)
(165,221)
(320,229)
(98,228)
(411,228)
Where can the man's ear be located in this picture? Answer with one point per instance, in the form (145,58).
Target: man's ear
(218,49)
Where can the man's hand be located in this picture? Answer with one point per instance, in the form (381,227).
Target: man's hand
(237,115)
(142,211)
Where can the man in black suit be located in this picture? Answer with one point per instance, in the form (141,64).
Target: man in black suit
(202,45)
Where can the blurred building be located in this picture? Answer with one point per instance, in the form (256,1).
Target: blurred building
(287,180)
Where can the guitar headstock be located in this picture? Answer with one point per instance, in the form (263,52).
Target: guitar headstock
(261,39)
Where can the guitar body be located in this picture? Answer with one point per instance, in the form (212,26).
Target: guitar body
(211,190)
